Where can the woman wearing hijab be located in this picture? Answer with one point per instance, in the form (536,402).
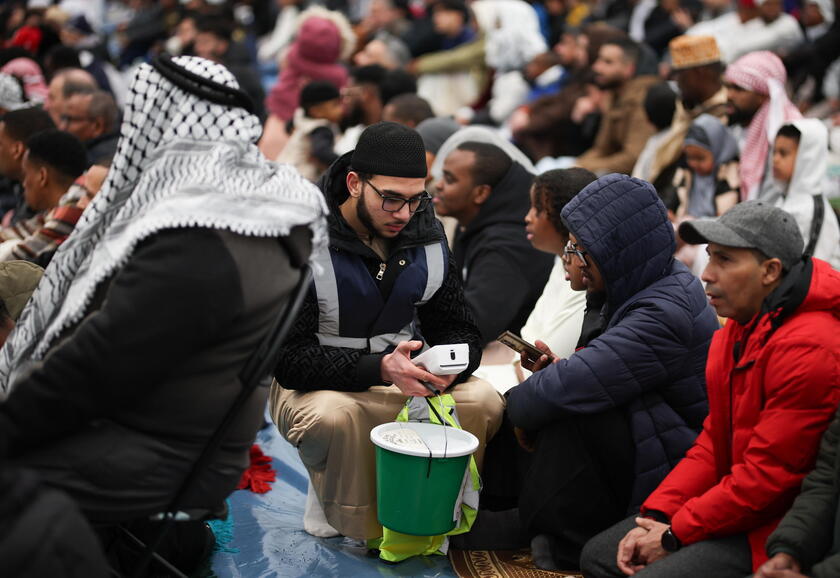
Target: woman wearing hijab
(707,186)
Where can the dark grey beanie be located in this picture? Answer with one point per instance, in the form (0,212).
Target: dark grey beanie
(390,149)
(435,131)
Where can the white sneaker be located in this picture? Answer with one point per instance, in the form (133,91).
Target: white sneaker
(314,520)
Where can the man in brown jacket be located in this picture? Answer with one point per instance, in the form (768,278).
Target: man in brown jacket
(624,127)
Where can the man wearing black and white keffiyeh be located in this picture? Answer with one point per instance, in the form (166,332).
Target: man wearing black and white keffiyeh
(127,355)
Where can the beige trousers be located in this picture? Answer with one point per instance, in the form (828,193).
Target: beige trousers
(331,430)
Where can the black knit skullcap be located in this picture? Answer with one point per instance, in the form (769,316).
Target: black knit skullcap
(391,150)
(316,92)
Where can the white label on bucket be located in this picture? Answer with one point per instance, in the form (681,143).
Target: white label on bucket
(405,438)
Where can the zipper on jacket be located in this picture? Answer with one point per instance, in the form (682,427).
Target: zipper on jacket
(381,271)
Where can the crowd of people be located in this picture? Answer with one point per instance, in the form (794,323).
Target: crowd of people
(647,191)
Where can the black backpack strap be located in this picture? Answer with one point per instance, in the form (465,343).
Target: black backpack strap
(816,225)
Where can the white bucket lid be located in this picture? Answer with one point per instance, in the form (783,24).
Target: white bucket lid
(418,439)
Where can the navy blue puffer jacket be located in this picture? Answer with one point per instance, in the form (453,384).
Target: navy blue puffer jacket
(651,358)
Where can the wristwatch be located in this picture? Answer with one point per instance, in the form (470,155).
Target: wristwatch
(670,542)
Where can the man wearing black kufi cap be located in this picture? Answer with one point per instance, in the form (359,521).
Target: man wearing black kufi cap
(387,287)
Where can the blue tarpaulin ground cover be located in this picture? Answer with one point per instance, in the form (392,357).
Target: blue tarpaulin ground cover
(268,537)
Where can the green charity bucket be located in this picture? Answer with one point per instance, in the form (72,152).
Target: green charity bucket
(420,469)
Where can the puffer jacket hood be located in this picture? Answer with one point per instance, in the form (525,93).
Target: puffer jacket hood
(623,225)
(650,358)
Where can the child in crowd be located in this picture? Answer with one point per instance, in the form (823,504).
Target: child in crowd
(708,185)
(800,156)
(315,127)
(53,161)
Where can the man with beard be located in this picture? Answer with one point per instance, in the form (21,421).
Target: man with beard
(387,287)
(697,69)
(624,127)
(364,98)
(758,102)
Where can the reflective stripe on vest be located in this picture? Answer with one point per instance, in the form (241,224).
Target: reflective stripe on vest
(430,262)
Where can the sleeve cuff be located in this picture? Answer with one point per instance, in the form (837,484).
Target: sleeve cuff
(369,370)
(688,534)
(656,515)
(779,548)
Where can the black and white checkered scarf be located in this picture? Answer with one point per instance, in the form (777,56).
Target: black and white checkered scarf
(181,162)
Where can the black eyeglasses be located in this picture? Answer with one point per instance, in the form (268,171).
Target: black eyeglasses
(395,204)
(571,249)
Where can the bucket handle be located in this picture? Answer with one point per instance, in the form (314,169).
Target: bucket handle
(443,423)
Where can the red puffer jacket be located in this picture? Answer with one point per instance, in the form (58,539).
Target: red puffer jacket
(768,409)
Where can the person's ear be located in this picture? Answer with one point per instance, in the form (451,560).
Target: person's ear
(481,193)
(43,176)
(354,184)
(99,125)
(18,149)
(772,271)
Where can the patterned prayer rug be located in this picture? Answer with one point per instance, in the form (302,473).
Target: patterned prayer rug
(500,564)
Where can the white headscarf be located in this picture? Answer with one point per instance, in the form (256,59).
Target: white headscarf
(478,134)
(512,30)
(809,179)
(826,9)
(181,162)
(11,94)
